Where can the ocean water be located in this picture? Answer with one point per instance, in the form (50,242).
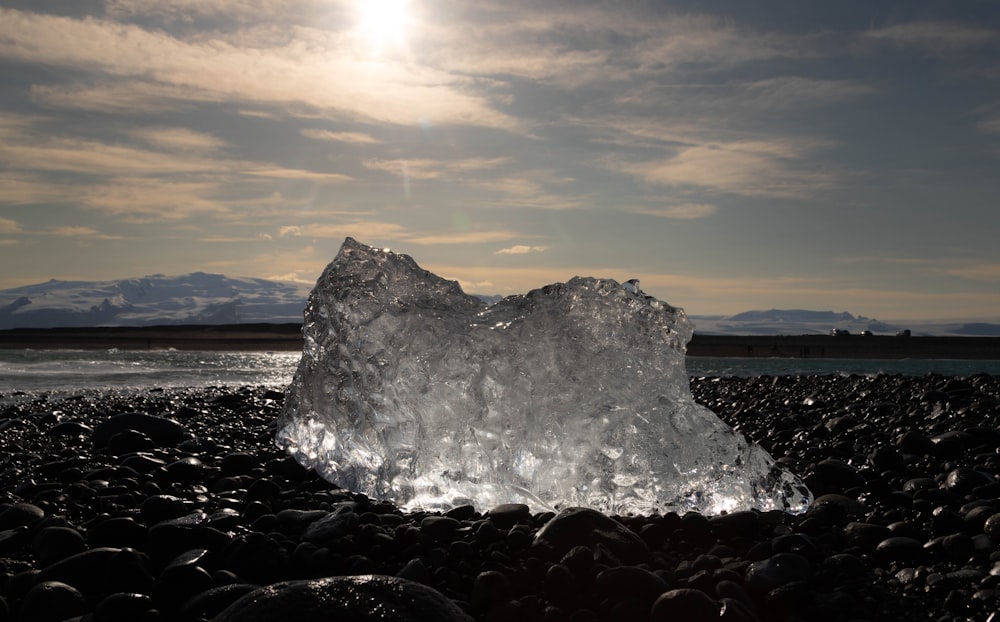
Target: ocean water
(75,370)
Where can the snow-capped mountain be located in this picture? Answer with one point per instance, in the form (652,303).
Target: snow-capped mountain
(197,298)
(805,322)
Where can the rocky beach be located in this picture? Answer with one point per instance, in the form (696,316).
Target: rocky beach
(174,504)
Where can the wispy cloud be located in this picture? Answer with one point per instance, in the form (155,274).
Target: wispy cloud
(179,139)
(751,168)
(424,169)
(358,138)
(30,188)
(463,237)
(8,226)
(937,37)
(521,249)
(362,229)
(374,231)
(80,233)
(684,211)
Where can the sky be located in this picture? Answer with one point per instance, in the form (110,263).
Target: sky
(732,155)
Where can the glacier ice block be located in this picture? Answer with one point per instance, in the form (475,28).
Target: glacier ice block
(575,394)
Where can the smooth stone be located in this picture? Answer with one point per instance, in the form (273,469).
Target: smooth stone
(20,514)
(363,598)
(962,480)
(439,527)
(123,607)
(900,548)
(102,571)
(992,527)
(777,571)
(294,521)
(11,540)
(161,430)
(118,531)
(129,441)
(740,523)
(575,526)
(158,508)
(239,463)
(52,601)
(915,443)
(506,515)
(684,604)
(257,558)
(632,581)
(848,507)
(490,589)
(69,429)
(341,521)
(213,601)
(186,470)
(52,544)
(866,535)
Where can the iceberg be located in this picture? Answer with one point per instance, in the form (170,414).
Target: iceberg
(409,390)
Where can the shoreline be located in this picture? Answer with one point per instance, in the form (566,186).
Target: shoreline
(288,338)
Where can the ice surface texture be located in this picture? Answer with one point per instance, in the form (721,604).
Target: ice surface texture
(575,394)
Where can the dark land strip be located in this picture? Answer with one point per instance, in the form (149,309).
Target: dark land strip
(288,337)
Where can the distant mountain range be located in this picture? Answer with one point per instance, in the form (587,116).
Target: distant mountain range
(196,298)
(805,322)
(202,298)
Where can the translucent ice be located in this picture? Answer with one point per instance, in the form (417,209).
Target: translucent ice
(574,394)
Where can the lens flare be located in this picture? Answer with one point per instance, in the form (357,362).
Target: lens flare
(382,24)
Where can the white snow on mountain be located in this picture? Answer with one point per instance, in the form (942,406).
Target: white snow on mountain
(805,322)
(197,298)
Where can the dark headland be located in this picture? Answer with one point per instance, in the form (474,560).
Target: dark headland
(287,337)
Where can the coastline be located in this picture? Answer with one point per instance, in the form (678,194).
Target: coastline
(288,338)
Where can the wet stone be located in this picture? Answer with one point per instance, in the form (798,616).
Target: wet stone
(900,549)
(777,571)
(52,601)
(574,526)
(52,544)
(19,514)
(684,604)
(361,598)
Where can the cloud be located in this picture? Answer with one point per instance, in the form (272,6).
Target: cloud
(751,168)
(128,96)
(463,237)
(424,169)
(8,226)
(685,211)
(935,37)
(80,233)
(372,231)
(991,126)
(521,249)
(179,139)
(241,11)
(362,229)
(357,138)
(28,189)
(174,179)
(304,66)
(976,272)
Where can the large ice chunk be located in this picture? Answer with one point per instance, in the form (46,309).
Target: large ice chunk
(574,394)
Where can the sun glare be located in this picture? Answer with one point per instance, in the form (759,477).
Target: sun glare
(382,24)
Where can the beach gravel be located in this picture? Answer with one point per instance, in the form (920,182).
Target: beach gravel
(174,504)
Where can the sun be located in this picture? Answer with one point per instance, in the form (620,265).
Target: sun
(382,24)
